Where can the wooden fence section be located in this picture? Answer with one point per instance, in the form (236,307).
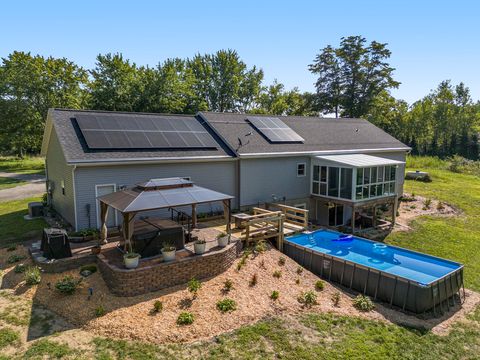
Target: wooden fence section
(295,218)
(263,225)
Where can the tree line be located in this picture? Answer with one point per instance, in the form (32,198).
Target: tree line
(353,80)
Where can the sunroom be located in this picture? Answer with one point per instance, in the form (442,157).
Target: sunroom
(348,189)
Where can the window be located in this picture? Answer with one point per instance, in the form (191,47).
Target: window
(319,180)
(335,215)
(375,182)
(333,181)
(301,169)
(62,185)
(346,183)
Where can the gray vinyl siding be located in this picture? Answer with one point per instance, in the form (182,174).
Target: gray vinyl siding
(58,170)
(262,178)
(216,175)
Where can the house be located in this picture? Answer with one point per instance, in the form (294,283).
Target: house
(333,167)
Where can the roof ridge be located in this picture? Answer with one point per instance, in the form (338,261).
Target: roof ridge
(122,112)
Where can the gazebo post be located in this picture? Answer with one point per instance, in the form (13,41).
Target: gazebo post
(226,214)
(128,230)
(103,220)
(194,216)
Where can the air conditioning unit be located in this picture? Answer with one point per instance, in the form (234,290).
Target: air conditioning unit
(35,209)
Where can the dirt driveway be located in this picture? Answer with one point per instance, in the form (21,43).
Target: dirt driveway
(35,186)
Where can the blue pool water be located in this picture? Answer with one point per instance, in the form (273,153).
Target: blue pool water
(411,265)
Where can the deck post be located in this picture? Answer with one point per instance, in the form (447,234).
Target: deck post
(194,216)
(103,219)
(374,218)
(394,211)
(353,219)
(227,215)
(128,230)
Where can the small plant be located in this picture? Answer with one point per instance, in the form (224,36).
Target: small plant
(262,264)
(336,298)
(32,275)
(100,311)
(67,285)
(254,280)
(227,285)
(185,318)
(307,298)
(319,285)
(157,307)
(20,268)
(226,305)
(261,246)
(12,247)
(274,295)
(242,261)
(92,268)
(363,303)
(221,235)
(297,281)
(427,203)
(12,259)
(201,241)
(193,286)
(281,261)
(440,206)
(277,274)
(299,270)
(168,246)
(131,255)
(413,207)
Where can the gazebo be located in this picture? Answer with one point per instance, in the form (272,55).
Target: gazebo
(159,194)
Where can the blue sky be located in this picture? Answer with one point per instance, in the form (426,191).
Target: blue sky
(430,40)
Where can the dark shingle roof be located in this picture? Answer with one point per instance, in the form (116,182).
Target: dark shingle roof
(76,150)
(320,134)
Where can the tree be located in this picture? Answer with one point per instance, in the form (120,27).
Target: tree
(351,76)
(29,86)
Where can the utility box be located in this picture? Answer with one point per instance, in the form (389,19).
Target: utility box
(35,209)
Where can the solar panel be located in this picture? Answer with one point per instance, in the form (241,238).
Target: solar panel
(274,129)
(120,131)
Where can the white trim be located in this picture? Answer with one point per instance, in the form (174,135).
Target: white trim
(322,152)
(74,198)
(97,207)
(301,206)
(138,161)
(304,169)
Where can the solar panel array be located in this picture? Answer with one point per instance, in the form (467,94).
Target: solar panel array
(143,132)
(274,129)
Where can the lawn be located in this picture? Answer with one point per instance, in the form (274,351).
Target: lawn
(14,227)
(29,165)
(456,238)
(7,183)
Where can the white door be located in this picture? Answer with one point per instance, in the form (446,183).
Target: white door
(101,190)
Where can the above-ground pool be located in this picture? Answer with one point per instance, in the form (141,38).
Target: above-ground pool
(413,281)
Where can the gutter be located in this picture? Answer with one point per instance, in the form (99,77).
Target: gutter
(322,152)
(137,161)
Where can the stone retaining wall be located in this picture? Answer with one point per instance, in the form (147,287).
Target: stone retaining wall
(124,282)
(61,265)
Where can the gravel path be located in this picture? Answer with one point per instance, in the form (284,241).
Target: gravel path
(35,186)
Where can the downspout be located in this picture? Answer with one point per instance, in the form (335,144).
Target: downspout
(74,167)
(238,182)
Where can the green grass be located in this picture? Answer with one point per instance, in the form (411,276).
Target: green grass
(14,228)
(7,183)
(46,349)
(455,238)
(29,165)
(8,337)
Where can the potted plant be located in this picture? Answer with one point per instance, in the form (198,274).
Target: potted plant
(199,246)
(223,239)
(168,251)
(130,259)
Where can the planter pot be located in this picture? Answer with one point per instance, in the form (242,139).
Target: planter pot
(131,262)
(96,250)
(223,241)
(168,255)
(199,248)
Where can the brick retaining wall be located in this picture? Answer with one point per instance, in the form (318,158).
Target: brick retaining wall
(124,282)
(61,265)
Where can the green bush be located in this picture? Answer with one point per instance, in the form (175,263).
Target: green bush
(277,274)
(100,311)
(32,275)
(12,247)
(193,286)
(12,259)
(281,261)
(227,285)
(274,295)
(226,305)
(307,298)
(261,246)
(157,306)
(67,285)
(319,285)
(20,268)
(336,298)
(427,203)
(91,267)
(363,303)
(185,318)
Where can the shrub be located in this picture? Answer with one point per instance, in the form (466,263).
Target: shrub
(12,259)
(307,298)
(32,275)
(277,274)
(157,306)
(319,285)
(274,295)
(100,311)
(92,268)
(254,280)
(193,286)
(242,261)
(67,285)
(299,270)
(427,203)
(221,235)
(336,298)
(185,318)
(12,247)
(281,261)
(226,305)
(20,268)
(227,285)
(440,206)
(363,303)
(261,246)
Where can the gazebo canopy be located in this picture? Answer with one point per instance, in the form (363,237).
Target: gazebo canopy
(161,193)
